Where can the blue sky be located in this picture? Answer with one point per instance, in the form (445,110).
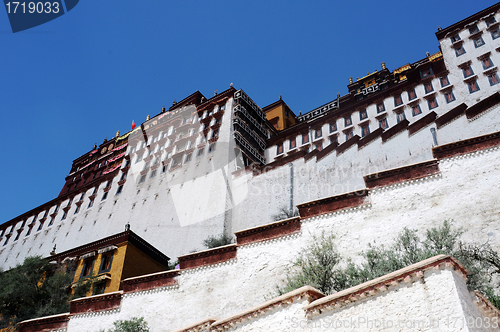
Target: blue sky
(76,80)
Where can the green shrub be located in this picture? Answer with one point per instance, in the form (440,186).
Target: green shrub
(317,265)
(134,324)
(33,289)
(218,241)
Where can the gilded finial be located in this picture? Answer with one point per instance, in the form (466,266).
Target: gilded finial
(215,92)
(174,103)
(231,85)
(117,133)
(148,117)
(383,65)
(350,80)
(427,53)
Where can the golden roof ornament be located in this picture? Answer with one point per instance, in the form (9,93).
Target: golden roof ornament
(350,80)
(148,117)
(383,66)
(117,133)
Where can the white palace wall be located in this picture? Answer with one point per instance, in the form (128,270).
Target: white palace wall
(158,208)
(465,190)
(336,174)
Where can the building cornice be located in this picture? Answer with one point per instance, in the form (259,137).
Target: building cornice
(443,33)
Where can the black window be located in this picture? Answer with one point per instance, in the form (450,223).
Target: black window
(106,260)
(88,265)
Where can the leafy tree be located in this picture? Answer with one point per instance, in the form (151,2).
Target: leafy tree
(134,324)
(83,287)
(217,241)
(37,288)
(33,289)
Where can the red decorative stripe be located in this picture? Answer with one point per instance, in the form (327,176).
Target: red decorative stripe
(96,303)
(483,105)
(44,324)
(422,123)
(208,257)
(150,281)
(269,231)
(347,144)
(393,131)
(370,137)
(450,115)
(401,174)
(466,146)
(332,204)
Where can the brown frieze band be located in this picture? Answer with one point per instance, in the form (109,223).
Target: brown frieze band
(150,281)
(483,105)
(466,146)
(208,257)
(326,151)
(401,174)
(422,123)
(370,137)
(96,303)
(393,131)
(347,144)
(49,323)
(268,231)
(333,203)
(450,115)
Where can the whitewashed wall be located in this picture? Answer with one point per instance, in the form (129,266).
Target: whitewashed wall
(466,192)
(176,211)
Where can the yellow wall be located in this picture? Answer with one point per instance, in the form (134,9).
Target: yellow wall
(115,271)
(138,263)
(279,112)
(128,261)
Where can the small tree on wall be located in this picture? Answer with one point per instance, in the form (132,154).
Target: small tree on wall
(217,241)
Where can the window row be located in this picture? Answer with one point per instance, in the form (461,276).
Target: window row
(476,36)
(383,123)
(179,161)
(66,212)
